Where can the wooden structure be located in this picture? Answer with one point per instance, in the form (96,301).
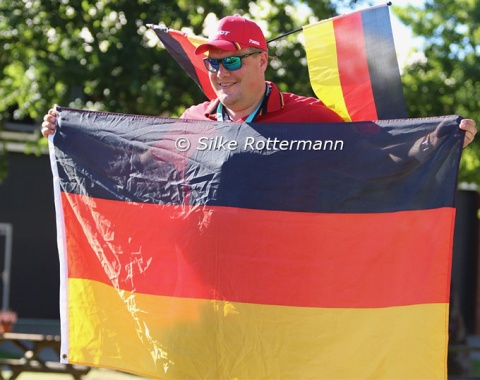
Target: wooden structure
(29,353)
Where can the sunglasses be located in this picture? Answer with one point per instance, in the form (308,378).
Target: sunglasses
(230,63)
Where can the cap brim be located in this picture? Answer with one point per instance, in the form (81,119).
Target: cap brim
(219,44)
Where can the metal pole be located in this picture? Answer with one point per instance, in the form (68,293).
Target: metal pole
(6,229)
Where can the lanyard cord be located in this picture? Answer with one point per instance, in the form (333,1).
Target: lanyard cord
(250,117)
(247,120)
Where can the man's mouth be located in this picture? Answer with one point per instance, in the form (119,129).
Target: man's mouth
(226,85)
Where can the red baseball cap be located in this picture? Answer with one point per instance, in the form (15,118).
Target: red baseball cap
(235,33)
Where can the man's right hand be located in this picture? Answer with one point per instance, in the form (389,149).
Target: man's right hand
(49,124)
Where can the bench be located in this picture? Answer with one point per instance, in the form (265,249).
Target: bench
(31,355)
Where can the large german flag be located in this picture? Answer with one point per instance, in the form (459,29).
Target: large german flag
(351,61)
(214,251)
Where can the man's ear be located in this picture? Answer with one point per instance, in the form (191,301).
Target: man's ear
(264,60)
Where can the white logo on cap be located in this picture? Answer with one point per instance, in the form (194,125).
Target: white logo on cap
(223,32)
(250,41)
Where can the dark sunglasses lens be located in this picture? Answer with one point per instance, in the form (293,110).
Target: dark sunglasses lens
(232,63)
(211,64)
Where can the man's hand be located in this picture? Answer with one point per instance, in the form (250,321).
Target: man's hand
(470,128)
(49,124)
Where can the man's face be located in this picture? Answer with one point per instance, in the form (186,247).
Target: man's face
(241,88)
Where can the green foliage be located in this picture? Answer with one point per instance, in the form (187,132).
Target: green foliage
(88,54)
(445,78)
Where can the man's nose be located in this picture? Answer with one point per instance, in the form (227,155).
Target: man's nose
(222,71)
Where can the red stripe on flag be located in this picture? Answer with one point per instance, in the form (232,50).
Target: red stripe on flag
(354,73)
(262,257)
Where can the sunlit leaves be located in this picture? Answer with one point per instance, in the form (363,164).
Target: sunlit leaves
(447,79)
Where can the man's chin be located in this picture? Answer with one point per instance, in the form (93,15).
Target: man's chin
(226,99)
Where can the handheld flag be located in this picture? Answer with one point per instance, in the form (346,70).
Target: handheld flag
(206,250)
(182,46)
(353,65)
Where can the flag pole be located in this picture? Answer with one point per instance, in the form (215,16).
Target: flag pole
(300,29)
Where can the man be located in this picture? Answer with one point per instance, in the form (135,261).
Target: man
(237,60)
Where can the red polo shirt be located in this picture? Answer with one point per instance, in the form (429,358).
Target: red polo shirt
(281,107)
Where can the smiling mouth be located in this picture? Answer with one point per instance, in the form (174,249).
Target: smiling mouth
(226,85)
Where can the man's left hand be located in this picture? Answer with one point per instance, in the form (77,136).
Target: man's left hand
(470,128)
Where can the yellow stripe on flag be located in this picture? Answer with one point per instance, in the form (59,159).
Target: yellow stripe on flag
(196,41)
(323,66)
(195,338)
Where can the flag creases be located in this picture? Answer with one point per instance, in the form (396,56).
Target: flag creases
(228,250)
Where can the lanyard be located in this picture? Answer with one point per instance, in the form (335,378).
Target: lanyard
(247,120)
(250,117)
